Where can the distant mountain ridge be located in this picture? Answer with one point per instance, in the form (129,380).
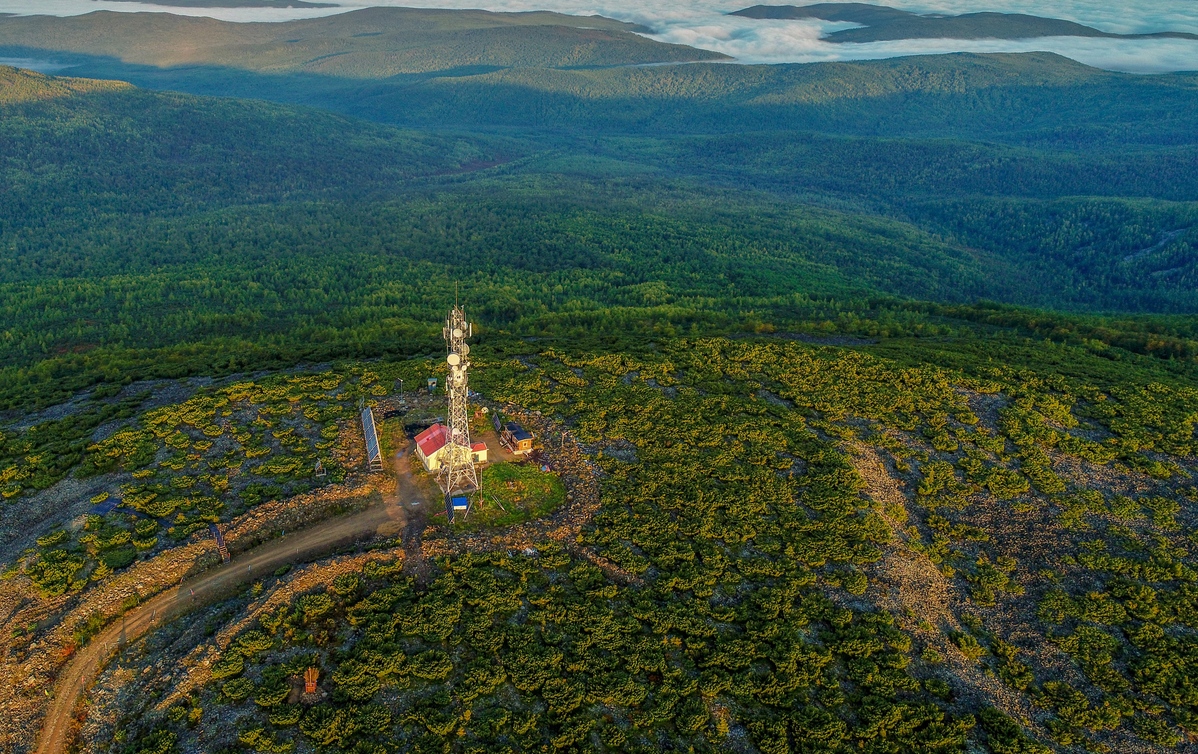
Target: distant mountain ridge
(372,43)
(235,3)
(884,24)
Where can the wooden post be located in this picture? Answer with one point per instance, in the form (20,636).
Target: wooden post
(310,676)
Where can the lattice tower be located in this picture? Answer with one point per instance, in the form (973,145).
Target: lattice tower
(457,465)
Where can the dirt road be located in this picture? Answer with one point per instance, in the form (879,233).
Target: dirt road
(403,515)
(303,546)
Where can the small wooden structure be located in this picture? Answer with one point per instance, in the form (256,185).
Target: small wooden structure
(311,675)
(220,542)
(516,438)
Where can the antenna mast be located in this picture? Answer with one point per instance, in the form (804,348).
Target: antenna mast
(457,474)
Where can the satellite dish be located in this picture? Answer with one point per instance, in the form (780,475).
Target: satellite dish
(464,350)
(453,359)
(457,333)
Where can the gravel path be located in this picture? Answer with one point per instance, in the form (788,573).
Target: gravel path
(403,514)
(302,546)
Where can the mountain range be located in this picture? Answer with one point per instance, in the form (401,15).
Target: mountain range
(882,23)
(372,43)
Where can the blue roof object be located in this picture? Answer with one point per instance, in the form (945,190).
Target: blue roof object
(461,503)
(517,432)
(107,506)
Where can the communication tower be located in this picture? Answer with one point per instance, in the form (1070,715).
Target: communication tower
(457,475)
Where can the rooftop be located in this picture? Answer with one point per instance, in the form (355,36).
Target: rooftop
(517,431)
(432,439)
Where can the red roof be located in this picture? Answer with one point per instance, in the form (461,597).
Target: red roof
(432,439)
(478,446)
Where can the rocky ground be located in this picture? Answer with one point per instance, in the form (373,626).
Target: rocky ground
(163,667)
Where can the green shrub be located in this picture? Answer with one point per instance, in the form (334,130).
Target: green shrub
(285,714)
(119,558)
(1005,736)
(231,664)
(968,645)
(155,742)
(237,689)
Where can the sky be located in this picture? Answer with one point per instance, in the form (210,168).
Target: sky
(704,23)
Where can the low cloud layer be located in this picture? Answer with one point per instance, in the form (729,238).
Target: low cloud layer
(704,23)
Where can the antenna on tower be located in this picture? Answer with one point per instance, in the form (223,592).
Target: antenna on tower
(457,477)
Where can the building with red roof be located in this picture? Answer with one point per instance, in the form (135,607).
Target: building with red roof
(431,442)
(478,451)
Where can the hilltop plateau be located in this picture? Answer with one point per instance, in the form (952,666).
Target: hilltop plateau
(992,557)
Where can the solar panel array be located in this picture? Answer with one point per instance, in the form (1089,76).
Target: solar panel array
(374,456)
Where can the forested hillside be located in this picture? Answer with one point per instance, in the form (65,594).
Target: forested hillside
(105,148)
(17,86)
(224,230)
(1037,97)
(1060,185)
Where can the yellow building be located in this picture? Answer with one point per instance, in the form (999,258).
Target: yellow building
(430,446)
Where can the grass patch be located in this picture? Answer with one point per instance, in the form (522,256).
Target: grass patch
(392,438)
(512,493)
